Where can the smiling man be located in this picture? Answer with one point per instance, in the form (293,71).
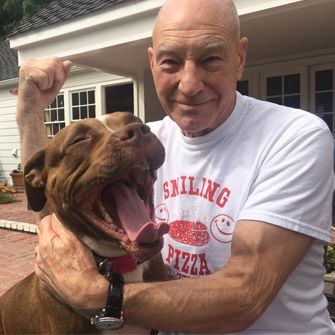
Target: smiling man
(195,69)
(246,188)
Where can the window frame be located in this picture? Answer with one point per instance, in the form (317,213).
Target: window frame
(312,91)
(71,106)
(302,71)
(50,133)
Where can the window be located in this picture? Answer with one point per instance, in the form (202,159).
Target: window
(54,118)
(243,87)
(119,98)
(83,104)
(284,90)
(323,92)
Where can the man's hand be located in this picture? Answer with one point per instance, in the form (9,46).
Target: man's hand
(39,84)
(40,81)
(65,267)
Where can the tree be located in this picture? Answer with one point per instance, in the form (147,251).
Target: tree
(15,12)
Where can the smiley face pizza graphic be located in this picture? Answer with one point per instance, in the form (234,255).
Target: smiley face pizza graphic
(162,213)
(222,228)
(190,233)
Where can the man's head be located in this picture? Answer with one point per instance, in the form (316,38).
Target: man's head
(196,59)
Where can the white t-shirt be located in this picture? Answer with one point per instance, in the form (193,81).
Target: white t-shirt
(265,162)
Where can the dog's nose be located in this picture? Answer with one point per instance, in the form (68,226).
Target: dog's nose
(133,132)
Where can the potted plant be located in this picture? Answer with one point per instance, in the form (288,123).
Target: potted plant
(17,177)
(6,193)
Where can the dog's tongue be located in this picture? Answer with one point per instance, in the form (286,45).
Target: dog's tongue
(134,216)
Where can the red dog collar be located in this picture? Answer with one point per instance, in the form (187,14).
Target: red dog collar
(121,264)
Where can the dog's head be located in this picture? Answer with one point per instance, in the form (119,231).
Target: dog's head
(97,176)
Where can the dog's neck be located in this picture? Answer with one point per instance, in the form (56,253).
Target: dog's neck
(122,264)
(110,253)
(125,264)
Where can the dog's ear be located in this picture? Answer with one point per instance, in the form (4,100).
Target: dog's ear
(34,181)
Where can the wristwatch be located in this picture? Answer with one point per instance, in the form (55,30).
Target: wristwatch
(111,316)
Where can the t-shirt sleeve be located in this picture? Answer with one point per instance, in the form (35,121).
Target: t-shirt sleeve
(294,185)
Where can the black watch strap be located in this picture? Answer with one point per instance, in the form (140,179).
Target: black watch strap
(115,295)
(111,316)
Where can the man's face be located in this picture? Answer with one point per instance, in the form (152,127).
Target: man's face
(195,66)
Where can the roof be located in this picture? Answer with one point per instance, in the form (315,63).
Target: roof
(8,62)
(62,10)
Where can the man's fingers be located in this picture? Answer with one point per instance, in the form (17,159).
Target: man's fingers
(44,226)
(59,229)
(67,68)
(46,75)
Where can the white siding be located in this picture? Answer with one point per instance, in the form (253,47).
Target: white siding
(9,135)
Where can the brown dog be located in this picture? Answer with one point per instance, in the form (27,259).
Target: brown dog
(97,176)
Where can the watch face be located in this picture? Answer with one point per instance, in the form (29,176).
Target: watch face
(109,322)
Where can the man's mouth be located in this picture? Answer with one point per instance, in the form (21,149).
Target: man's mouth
(193,103)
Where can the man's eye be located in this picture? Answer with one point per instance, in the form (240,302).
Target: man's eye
(168,63)
(213,63)
(212,59)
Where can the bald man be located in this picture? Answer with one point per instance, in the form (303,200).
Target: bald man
(246,189)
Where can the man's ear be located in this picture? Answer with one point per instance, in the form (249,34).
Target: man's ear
(151,55)
(242,54)
(34,181)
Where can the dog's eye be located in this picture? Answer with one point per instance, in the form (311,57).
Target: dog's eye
(77,140)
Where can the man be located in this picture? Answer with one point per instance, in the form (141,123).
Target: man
(246,188)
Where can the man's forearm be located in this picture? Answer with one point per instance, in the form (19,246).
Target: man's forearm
(189,305)
(186,305)
(32,131)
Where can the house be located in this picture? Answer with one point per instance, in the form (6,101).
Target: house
(9,139)
(291,59)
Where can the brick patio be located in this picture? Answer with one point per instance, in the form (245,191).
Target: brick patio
(16,246)
(16,257)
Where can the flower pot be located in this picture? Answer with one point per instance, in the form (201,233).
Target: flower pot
(18,181)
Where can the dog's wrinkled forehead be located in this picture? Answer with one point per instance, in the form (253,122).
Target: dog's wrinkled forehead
(110,122)
(117,120)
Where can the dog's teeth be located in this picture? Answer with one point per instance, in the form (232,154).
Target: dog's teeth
(105,214)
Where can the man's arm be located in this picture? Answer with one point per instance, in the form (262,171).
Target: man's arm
(39,84)
(229,300)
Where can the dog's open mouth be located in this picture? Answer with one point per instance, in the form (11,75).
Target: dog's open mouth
(121,210)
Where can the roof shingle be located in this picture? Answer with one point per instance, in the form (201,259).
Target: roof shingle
(8,62)
(62,10)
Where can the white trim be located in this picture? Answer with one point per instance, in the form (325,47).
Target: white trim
(311,58)
(21,226)
(9,82)
(100,108)
(257,6)
(135,95)
(113,15)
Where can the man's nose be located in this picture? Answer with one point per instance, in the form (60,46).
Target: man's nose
(191,81)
